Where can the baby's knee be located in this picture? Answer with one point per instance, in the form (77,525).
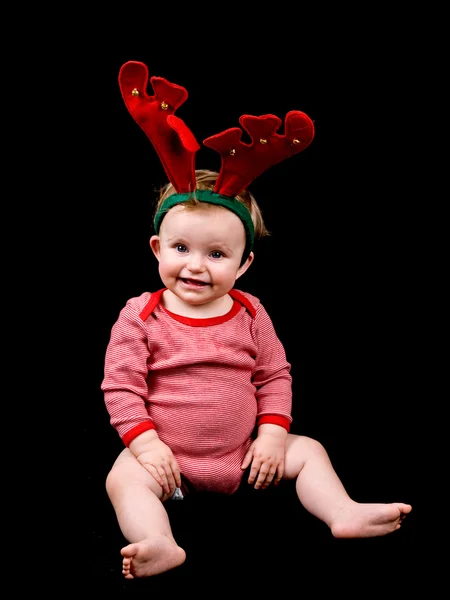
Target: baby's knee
(114,481)
(307,446)
(127,474)
(315,447)
(125,469)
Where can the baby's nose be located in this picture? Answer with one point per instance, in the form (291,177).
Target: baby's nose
(196,262)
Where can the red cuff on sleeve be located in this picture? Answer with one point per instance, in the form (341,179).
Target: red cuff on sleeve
(275,420)
(133,433)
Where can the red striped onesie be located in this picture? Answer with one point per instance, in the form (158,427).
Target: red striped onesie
(202,383)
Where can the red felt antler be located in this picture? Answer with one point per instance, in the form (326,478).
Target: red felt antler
(243,163)
(176,145)
(173,141)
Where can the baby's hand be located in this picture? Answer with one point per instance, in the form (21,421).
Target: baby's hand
(159,461)
(266,455)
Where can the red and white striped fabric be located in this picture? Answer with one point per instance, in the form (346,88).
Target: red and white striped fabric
(204,384)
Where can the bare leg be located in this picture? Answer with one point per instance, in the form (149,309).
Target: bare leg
(321,492)
(143,520)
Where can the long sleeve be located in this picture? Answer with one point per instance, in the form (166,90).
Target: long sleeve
(125,379)
(271,375)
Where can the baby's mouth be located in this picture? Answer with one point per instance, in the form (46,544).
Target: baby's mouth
(194,282)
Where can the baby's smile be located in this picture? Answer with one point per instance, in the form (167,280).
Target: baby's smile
(194,282)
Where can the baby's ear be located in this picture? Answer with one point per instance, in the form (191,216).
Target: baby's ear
(154,245)
(246,265)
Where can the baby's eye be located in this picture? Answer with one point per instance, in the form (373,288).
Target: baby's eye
(180,248)
(216,254)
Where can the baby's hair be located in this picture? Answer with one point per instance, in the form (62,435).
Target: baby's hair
(205,181)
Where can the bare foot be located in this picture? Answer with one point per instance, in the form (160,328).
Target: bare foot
(150,557)
(368,520)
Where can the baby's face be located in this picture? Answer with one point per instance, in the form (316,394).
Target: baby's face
(200,251)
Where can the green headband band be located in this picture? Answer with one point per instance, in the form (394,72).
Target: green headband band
(211,197)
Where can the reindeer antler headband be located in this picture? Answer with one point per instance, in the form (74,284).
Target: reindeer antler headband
(176,145)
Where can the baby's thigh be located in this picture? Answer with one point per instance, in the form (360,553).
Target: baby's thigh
(128,471)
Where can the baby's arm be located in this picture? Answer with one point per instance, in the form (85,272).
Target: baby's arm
(266,456)
(157,458)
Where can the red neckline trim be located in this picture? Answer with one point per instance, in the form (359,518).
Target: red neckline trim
(206,322)
(238,297)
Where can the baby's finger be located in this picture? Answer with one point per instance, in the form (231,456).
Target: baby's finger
(176,473)
(268,480)
(254,471)
(247,460)
(171,480)
(154,473)
(279,474)
(177,476)
(163,480)
(263,477)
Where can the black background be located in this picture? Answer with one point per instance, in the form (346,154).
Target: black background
(339,277)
